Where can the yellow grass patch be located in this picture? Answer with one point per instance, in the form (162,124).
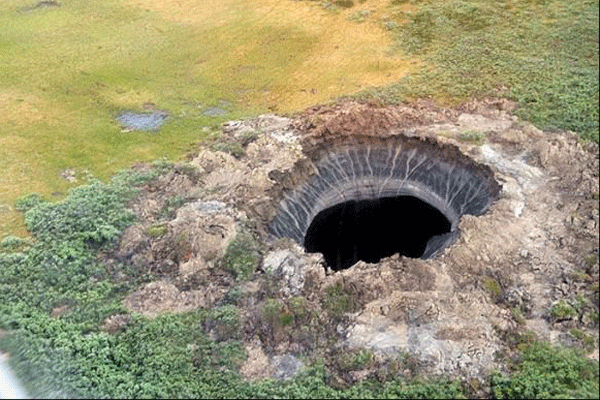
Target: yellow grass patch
(14,177)
(22,109)
(330,54)
(67,71)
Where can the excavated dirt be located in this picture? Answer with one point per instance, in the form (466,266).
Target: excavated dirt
(461,313)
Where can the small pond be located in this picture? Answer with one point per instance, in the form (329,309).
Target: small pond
(142,121)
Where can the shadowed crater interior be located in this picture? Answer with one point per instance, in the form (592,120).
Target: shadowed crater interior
(366,198)
(369,230)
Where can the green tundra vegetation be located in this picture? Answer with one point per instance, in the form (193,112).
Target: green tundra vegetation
(69,69)
(66,72)
(543,54)
(56,292)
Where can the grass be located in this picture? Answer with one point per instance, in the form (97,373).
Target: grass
(196,354)
(67,71)
(542,54)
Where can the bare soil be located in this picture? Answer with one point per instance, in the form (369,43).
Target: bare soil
(462,313)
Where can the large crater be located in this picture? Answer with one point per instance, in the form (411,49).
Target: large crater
(389,176)
(365,198)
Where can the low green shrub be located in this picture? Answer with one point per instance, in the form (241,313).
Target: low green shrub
(60,267)
(235,149)
(164,357)
(300,311)
(546,372)
(562,310)
(273,311)
(157,230)
(29,201)
(224,322)
(492,286)
(13,243)
(242,255)
(474,137)
(339,302)
(517,315)
(586,341)
(358,16)
(355,360)
(523,340)
(344,3)
(94,214)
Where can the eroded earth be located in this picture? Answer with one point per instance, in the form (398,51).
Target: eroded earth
(527,267)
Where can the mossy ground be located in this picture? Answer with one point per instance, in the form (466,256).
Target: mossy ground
(68,70)
(69,333)
(543,54)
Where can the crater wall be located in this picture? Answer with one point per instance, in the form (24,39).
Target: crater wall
(367,167)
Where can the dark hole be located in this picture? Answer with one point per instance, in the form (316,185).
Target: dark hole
(370,230)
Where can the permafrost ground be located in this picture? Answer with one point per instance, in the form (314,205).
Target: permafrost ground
(526,224)
(372,167)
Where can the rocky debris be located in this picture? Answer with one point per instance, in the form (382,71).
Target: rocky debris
(203,230)
(518,297)
(187,249)
(177,233)
(69,174)
(378,333)
(256,366)
(286,367)
(536,246)
(289,267)
(407,309)
(74,175)
(244,183)
(133,244)
(159,297)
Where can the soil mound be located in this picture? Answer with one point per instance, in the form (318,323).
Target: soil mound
(527,255)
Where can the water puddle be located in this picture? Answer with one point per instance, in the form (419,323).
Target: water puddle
(152,122)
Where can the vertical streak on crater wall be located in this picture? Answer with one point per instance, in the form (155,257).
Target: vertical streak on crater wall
(357,168)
